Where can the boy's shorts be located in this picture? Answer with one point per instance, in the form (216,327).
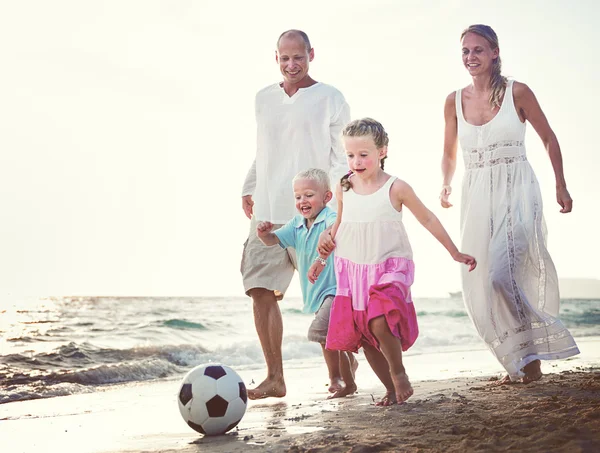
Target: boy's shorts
(266,267)
(318,328)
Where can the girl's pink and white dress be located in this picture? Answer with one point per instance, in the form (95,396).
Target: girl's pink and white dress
(374,271)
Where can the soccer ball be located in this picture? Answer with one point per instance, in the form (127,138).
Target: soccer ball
(212,399)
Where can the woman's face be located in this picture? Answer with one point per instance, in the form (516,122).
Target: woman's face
(477,54)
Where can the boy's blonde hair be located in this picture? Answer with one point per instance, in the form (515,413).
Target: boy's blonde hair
(314,174)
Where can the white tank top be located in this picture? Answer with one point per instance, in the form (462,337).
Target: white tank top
(371,230)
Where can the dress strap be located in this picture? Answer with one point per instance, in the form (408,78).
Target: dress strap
(458,104)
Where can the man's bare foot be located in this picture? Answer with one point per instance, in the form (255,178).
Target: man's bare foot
(403,388)
(389,399)
(349,389)
(267,389)
(337,384)
(533,372)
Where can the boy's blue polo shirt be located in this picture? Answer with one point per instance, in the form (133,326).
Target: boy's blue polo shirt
(295,234)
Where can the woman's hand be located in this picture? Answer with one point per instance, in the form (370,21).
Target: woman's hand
(564,199)
(444,195)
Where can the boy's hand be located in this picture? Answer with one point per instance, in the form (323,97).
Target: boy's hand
(466,259)
(314,271)
(326,243)
(263,228)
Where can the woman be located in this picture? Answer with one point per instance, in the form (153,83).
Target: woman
(512,297)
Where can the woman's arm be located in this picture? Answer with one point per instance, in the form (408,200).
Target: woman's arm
(450,142)
(529,109)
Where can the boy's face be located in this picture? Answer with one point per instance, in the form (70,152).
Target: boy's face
(310,197)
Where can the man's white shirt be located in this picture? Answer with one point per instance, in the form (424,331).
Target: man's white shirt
(294,134)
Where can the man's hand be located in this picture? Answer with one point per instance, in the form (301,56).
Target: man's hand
(247,205)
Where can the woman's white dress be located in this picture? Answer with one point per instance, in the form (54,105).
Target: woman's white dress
(512,296)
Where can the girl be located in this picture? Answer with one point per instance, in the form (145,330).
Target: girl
(373,263)
(513,298)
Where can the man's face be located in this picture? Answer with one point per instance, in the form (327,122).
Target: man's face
(293,58)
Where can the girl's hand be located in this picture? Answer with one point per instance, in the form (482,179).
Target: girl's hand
(445,195)
(466,259)
(314,271)
(564,199)
(326,243)
(263,228)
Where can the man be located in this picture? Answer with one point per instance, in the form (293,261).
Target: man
(299,123)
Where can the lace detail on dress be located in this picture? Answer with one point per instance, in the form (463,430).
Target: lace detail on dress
(516,293)
(493,146)
(495,161)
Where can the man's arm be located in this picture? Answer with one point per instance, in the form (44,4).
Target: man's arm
(248,190)
(337,157)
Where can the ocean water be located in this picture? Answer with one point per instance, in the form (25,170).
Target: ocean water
(61,346)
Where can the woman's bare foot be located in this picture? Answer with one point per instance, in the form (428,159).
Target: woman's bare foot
(389,399)
(337,384)
(506,380)
(267,389)
(403,388)
(349,389)
(533,372)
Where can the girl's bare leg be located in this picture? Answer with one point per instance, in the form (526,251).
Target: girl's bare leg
(382,369)
(391,349)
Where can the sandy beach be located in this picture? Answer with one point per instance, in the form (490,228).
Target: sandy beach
(560,413)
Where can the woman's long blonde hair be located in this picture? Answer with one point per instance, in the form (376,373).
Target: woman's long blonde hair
(498,81)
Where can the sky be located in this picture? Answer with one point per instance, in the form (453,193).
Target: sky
(127,128)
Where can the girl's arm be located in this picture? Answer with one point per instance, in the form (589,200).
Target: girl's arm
(529,109)
(403,194)
(326,241)
(450,140)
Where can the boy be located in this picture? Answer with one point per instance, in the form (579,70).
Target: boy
(312,193)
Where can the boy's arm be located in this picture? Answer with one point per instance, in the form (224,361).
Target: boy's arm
(403,194)
(265,234)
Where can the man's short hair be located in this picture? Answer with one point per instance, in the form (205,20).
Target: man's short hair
(294,32)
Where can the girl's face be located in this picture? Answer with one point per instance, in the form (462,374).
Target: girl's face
(363,155)
(477,54)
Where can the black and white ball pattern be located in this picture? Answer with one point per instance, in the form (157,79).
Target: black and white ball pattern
(212,399)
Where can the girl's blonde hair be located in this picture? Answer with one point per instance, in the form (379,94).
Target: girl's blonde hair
(498,81)
(314,174)
(362,128)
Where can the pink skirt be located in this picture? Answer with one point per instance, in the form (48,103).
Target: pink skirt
(349,328)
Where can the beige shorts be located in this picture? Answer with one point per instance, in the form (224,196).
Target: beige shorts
(266,267)
(319,327)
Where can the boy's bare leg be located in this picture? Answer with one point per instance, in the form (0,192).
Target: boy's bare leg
(333,366)
(347,371)
(269,326)
(382,369)
(392,350)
